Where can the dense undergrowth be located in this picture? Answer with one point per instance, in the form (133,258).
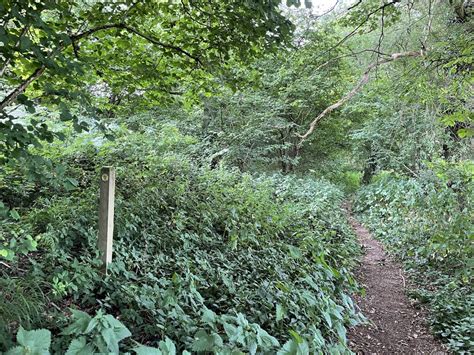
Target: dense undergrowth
(205,259)
(198,104)
(427,223)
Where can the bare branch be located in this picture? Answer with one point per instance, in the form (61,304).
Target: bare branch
(369,15)
(430,22)
(355,5)
(352,54)
(364,79)
(379,44)
(161,44)
(329,10)
(22,87)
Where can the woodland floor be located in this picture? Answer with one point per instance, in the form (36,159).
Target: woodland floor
(396,325)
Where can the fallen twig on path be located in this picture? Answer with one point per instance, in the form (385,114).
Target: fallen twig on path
(403,279)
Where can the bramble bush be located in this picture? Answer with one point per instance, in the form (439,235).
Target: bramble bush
(209,260)
(427,223)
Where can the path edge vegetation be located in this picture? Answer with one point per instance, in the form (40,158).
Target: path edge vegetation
(236,130)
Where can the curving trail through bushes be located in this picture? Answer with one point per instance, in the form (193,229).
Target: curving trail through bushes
(395,325)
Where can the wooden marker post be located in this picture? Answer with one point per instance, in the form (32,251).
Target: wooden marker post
(106,214)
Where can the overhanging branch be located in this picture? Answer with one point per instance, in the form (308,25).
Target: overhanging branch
(11,97)
(362,81)
(363,22)
(133,30)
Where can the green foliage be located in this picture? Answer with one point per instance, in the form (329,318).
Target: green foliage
(350,180)
(401,142)
(407,118)
(366,15)
(427,223)
(36,342)
(214,251)
(257,126)
(21,302)
(74,56)
(100,334)
(212,259)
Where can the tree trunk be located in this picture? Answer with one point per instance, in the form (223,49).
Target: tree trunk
(369,170)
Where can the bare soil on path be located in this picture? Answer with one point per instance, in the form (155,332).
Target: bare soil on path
(396,326)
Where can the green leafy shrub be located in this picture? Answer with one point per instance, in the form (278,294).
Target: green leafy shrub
(90,335)
(101,333)
(212,260)
(427,223)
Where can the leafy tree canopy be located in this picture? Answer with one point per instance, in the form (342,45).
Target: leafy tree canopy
(57,52)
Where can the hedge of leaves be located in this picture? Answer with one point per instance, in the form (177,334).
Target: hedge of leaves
(210,260)
(427,223)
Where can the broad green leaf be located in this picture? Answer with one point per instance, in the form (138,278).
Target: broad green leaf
(14,214)
(167,347)
(147,350)
(120,330)
(80,346)
(38,341)
(17,350)
(206,342)
(80,323)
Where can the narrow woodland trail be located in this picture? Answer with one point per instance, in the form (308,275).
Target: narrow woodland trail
(396,326)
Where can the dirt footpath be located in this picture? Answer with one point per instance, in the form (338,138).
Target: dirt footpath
(396,326)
